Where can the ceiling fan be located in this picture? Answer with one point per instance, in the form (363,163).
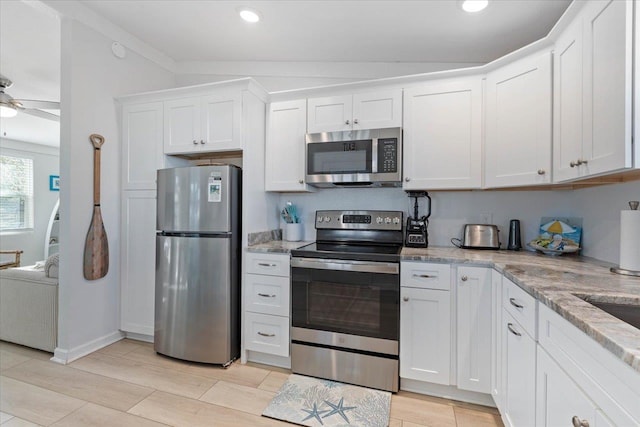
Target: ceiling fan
(9,107)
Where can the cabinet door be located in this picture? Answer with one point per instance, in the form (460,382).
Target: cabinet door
(138,262)
(519,360)
(182,125)
(285,146)
(567,103)
(141,145)
(518,123)
(333,113)
(377,110)
(497,390)
(474,308)
(559,399)
(221,122)
(425,335)
(607,86)
(442,135)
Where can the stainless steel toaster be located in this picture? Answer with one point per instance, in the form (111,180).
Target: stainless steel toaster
(480,236)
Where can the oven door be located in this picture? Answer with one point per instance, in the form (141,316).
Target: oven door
(346,303)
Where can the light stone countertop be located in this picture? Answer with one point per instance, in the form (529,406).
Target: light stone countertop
(277,246)
(555,281)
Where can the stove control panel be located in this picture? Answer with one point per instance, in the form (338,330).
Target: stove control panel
(359,220)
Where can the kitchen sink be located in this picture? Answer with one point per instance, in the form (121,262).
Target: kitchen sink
(628,313)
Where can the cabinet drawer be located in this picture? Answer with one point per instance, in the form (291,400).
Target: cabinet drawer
(522,306)
(269,264)
(267,294)
(266,334)
(425,275)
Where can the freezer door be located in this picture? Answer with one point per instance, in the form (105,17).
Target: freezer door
(196,303)
(198,199)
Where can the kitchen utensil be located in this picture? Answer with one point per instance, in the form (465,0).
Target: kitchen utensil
(478,236)
(515,242)
(96,245)
(416,235)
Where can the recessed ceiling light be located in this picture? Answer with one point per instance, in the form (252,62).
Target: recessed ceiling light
(474,5)
(249,15)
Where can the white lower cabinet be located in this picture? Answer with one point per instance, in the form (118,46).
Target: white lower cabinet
(559,400)
(266,295)
(474,307)
(519,370)
(425,335)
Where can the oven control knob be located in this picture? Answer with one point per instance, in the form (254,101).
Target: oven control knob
(396,220)
(320,219)
(327,219)
(379,220)
(387,220)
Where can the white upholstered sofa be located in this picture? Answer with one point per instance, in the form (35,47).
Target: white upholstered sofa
(29,307)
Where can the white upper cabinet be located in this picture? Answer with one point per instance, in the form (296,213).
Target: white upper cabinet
(203,123)
(141,145)
(285,146)
(593,91)
(372,110)
(518,123)
(442,135)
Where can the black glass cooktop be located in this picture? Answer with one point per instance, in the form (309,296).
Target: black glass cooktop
(358,252)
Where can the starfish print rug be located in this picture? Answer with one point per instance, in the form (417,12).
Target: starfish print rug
(314,402)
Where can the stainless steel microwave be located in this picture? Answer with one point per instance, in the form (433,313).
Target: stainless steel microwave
(364,158)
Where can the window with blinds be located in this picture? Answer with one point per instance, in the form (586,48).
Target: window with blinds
(16,193)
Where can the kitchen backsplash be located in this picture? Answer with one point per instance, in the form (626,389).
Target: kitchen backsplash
(598,206)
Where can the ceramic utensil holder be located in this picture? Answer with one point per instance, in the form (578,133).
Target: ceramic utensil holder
(293,232)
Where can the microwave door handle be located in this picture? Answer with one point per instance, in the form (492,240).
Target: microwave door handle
(374,155)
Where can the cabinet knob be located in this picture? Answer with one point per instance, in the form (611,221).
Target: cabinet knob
(577,422)
(407,179)
(464,278)
(202,141)
(541,172)
(346,122)
(405,299)
(195,142)
(355,121)
(574,164)
(301,181)
(582,162)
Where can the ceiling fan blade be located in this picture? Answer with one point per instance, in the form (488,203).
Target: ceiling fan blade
(41,114)
(34,103)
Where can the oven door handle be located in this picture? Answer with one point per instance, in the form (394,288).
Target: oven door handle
(344,265)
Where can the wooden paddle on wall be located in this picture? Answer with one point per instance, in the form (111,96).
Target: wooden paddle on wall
(96,246)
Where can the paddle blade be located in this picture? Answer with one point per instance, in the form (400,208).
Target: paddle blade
(96,248)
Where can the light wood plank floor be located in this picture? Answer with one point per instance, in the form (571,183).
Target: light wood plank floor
(128,384)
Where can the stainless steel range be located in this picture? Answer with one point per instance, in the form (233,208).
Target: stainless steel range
(345,293)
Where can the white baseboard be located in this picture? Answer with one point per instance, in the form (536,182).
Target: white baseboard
(139,337)
(64,356)
(269,359)
(447,392)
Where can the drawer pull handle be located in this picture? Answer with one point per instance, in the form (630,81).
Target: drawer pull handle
(266,264)
(266,295)
(266,335)
(424,276)
(513,331)
(515,304)
(577,422)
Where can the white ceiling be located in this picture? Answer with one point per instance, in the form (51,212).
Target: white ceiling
(199,31)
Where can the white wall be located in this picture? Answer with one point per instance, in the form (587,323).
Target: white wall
(450,209)
(600,209)
(280,76)
(46,161)
(91,77)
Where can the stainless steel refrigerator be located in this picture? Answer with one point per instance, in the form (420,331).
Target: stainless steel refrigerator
(197,301)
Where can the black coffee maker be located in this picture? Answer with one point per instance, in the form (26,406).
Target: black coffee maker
(416,235)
